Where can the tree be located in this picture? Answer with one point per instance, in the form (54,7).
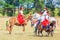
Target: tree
(10,5)
(36,3)
(49,4)
(56,11)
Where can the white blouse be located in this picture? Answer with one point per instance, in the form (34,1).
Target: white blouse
(21,12)
(36,16)
(43,18)
(45,13)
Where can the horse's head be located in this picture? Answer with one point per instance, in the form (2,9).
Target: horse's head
(29,18)
(54,23)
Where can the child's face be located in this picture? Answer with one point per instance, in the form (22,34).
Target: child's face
(22,8)
(44,9)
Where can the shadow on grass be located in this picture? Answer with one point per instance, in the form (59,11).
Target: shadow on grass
(38,36)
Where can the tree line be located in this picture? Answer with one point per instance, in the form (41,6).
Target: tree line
(8,7)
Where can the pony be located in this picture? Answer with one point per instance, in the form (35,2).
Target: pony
(50,30)
(13,21)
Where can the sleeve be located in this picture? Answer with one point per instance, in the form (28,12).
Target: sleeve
(39,18)
(45,13)
(34,15)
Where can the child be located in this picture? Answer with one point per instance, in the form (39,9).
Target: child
(20,17)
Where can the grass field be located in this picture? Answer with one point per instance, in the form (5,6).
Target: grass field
(18,34)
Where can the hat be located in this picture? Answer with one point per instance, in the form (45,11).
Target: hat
(21,8)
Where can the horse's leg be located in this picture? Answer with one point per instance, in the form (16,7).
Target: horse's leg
(48,33)
(7,27)
(32,24)
(52,28)
(40,29)
(10,29)
(51,31)
(35,31)
(40,32)
(37,28)
(23,27)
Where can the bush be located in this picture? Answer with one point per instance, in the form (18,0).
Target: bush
(56,11)
(59,14)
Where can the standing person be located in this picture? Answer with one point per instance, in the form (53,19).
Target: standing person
(36,20)
(35,17)
(20,17)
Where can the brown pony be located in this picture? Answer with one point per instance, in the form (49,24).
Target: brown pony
(13,21)
(50,30)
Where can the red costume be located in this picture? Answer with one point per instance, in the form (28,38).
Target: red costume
(20,18)
(46,19)
(45,22)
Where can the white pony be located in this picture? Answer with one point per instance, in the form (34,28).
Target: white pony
(53,19)
(35,18)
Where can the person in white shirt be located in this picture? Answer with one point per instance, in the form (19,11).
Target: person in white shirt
(38,21)
(35,17)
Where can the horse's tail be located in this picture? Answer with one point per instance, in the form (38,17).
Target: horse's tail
(7,24)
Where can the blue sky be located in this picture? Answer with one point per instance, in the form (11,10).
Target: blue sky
(56,3)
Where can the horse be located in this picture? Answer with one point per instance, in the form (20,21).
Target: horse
(50,30)
(13,21)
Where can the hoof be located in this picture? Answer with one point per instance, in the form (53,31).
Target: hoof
(51,35)
(10,33)
(47,35)
(23,30)
(41,35)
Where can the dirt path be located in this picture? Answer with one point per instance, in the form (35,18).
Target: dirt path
(18,34)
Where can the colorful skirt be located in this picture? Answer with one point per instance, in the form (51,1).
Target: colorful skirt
(20,19)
